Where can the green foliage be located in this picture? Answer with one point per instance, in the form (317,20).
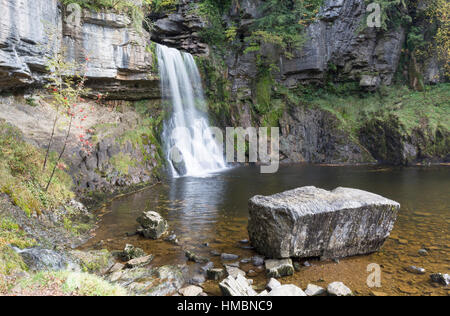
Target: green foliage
(68,283)
(393,12)
(121,162)
(212,10)
(22,178)
(282,23)
(412,108)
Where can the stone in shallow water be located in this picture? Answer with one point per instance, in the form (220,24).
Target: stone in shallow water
(311,222)
(215,274)
(314,290)
(228,256)
(279,268)
(153,224)
(415,270)
(139,262)
(131,252)
(257,261)
(287,290)
(236,286)
(443,279)
(338,289)
(195,258)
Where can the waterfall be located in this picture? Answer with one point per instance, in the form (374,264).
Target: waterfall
(189,142)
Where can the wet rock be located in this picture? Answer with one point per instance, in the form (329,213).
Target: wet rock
(257,261)
(287,290)
(172,239)
(139,262)
(415,270)
(40,259)
(177,160)
(161,281)
(131,252)
(423,252)
(443,279)
(94,261)
(215,274)
(279,268)
(208,266)
(306,264)
(233,271)
(191,290)
(338,289)
(296,223)
(273,284)
(116,267)
(236,286)
(227,256)
(214,253)
(195,258)
(244,241)
(153,224)
(246,260)
(314,290)
(197,279)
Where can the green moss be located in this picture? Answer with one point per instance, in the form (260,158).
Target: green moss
(22,178)
(10,261)
(121,162)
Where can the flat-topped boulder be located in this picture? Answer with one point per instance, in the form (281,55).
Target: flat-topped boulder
(312,222)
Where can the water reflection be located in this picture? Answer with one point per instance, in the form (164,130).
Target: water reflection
(214,210)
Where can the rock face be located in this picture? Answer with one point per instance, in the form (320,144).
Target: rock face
(312,135)
(312,222)
(181,29)
(119,65)
(153,225)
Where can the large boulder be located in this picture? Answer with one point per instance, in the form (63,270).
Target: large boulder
(312,222)
(153,225)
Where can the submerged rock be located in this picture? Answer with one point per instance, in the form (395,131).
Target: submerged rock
(279,268)
(236,286)
(287,290)
(131,252)
(227,256)
(94,261)
(443,279)
(257,261)
(311,222)
(191,256)
(215,274)
(153,225)
(415,270)
(338,289)
(139,262)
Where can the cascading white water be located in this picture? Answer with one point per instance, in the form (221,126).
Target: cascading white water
(188,129)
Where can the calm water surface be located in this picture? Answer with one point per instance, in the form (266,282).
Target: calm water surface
(213,210)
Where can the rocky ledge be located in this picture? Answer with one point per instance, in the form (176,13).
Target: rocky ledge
(312,222)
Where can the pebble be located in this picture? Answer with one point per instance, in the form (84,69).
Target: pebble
(423,252)
(257,261)
(415,270)
(228,256)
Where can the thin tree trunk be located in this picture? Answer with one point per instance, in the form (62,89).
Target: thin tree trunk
(51,140)
(60,155)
